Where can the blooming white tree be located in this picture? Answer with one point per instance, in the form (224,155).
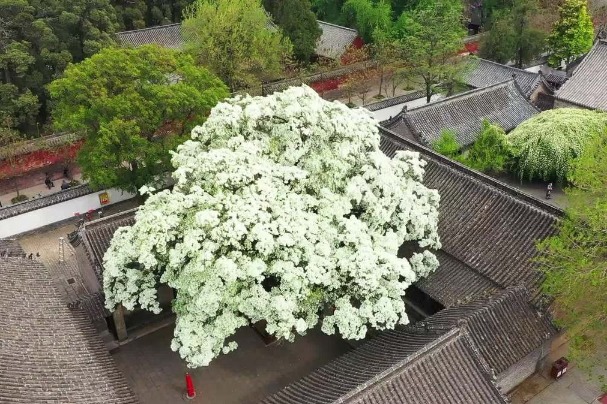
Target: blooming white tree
(283,209)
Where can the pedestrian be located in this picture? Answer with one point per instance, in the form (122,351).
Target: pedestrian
(47,182)
(65,184)
(549,191)
(66,172)
(31,256)
(37,255)
(100,213)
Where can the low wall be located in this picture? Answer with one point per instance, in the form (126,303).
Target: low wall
(55,210)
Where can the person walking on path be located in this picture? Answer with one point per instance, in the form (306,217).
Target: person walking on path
(549,191)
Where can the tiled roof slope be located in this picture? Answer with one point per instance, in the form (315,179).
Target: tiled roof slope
(42,202)
(10,248)
(333,42)
(484,73)
(168,36)
(504,327)
(485,226)
(49,354)
(446,284)
(502,103)
(390,102)
(588,85)
(409,366)
(97,235)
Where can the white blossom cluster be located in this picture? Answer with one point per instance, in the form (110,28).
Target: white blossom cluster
(283,210)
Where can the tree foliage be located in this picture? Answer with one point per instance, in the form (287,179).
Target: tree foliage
(136,14)
(283,209)
(573,33)
(236,40)
(490,152)
(298,22)
(575,260)
(368,16)
(133,106)
(544,146)
(447,144)
(513,36)
(429,38)
(37,41)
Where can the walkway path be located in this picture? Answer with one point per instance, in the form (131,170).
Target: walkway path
(35,190)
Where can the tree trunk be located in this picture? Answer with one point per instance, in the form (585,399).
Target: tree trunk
(381,80)
(428,91)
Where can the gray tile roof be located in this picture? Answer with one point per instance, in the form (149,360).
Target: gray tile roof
(504,327)
(97,235)
(168,36)
(502,104)
(486,227)
(484,73)
(44,201)
(408,366)
(390,102)
(553,76)
(587,87)
(333,42)
(48,353)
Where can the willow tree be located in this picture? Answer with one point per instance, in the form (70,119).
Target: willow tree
(285,210)
(544,146)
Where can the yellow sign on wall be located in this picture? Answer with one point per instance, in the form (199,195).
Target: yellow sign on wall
(104,198)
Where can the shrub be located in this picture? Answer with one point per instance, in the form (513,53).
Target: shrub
(544,146)
(490,152)
(19,198)
(447,144)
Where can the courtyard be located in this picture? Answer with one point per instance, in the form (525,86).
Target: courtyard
(246,375)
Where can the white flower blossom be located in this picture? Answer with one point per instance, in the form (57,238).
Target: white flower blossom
(283,210)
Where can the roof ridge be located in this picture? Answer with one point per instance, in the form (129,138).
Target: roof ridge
(476,175)
(155,27)
(506,66)
(336,26)
(107,218)
(462,95)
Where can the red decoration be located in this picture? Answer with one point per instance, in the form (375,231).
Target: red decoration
(190,392)
(38,159)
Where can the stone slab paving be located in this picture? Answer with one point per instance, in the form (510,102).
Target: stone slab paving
(247,375)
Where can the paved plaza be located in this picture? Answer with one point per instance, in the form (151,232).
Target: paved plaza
(247,375)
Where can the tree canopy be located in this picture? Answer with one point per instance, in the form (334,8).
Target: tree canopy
(298,22)
(544,146)
(236,40)
(133,106)
(37,41)
(368,16)
(574,260)
(573,33)
(429,38)
(513,36)
(285,210)
(136,14)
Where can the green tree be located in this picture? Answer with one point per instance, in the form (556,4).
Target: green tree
(368,16)
(329,10)
(544,146)
(136,14)
(11,142)
(490,152)
(428,38)
(447,144)
(133,106)
(38,40)
(298,22)
(575,260)
(131,14)
(513,35)
(236,40)
(573,33)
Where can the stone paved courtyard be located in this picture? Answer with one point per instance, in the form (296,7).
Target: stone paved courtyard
(247,375)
